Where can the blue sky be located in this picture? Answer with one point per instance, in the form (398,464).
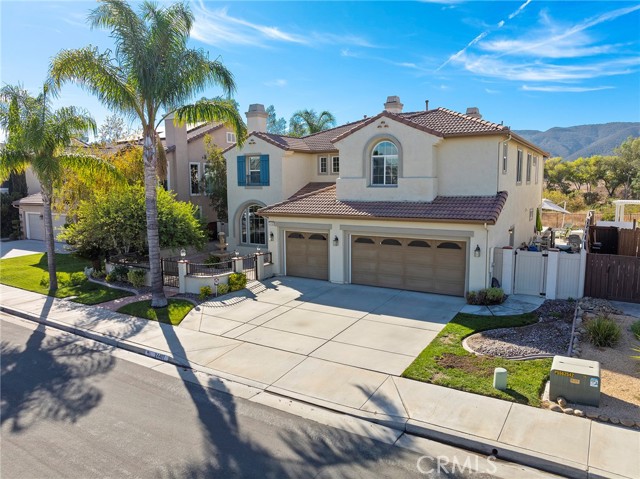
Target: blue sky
(529,64)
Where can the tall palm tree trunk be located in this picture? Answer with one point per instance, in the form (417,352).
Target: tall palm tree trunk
(47,191)
(158,299)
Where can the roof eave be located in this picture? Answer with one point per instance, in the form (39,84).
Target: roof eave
(269,214)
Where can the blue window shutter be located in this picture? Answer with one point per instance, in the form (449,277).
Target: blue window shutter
(242,171)
(264,170)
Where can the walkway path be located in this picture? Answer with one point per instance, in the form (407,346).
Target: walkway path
(566,445)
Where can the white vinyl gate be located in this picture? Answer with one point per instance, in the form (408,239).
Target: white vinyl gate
(530,273)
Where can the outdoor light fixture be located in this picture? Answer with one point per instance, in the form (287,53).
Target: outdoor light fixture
(271,236)
(183,253)
(236,254)
(476,252)
(335,241)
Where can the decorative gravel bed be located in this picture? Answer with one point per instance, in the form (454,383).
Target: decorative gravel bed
(551,335)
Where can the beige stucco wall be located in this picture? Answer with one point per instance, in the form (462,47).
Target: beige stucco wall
(340,256)
(417,163)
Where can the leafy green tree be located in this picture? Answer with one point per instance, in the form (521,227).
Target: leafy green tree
(607,170)
(629,165)
(275,125)
(37,138)
(556,175)
(113,222)
(151,74)
(215,178)
(307,122)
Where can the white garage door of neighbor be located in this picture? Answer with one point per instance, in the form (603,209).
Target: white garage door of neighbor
(416,264)
(35,225)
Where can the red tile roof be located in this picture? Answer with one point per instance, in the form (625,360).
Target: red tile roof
(311,188)
(460,209)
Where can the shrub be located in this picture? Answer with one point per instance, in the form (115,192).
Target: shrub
(120,272)
(213,259)
(77,278)
(111,277)
(591,197)
(98,274)
(223,289)
(486,296)
(237,281)
(136,277)
(635,329)
(205,292)
(603,332)
(44,281)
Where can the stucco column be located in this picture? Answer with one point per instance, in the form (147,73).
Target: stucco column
(260,266)
(337,255)
(182,275)
(508,265)
(553,263)
(238,267)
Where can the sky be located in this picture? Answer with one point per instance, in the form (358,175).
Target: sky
(532,65)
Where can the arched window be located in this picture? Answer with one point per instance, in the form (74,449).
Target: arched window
(384,164)
(252,227)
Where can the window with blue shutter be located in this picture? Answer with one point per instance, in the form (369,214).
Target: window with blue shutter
(264,170)
(242,171)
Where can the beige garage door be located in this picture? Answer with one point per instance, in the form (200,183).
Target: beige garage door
(307,254)
(432,266)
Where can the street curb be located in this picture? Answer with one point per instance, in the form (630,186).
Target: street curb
(552,464)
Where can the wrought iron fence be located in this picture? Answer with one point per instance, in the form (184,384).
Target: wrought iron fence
(204,269)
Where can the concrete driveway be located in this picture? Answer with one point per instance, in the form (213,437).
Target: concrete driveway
(302,334)
(12,249)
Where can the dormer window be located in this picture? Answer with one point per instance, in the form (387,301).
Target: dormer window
(384,164)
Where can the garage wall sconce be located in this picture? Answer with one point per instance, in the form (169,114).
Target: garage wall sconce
(271,236)
(476,252)
(335,241)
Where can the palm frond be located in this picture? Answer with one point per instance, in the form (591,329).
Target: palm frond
(161,165)
(216,109)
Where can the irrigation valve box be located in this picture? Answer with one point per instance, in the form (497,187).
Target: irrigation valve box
(576,380)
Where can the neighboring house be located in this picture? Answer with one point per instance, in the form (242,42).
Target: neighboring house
(185,150)
(413,201)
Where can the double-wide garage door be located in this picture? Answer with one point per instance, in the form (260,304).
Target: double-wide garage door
(307,254)
(432,266)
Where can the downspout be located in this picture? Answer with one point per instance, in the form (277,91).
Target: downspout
(489,260)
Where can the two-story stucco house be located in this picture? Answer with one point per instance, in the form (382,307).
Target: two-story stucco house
(415,201)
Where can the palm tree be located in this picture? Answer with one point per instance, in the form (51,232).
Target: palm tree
(306,122)
(38,138)
(151,75)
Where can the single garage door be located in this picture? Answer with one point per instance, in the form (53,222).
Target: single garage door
(431,266)
(36,226)
(307,254)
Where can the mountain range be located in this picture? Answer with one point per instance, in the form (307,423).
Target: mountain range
(574,142)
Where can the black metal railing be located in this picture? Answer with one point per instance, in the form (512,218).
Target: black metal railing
(204,269)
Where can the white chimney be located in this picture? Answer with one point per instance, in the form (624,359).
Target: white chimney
(474,112)
(393,104)
(256,118)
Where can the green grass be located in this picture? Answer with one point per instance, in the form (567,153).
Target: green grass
(172,314)
(446,363)
(26,272)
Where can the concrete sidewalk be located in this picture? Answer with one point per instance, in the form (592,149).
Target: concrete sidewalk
(562,444)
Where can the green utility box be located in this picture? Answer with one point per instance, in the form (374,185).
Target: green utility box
(576,380)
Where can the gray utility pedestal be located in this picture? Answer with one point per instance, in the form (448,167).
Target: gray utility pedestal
(576,380)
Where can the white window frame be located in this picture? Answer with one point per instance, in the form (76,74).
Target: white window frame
(245,235)
(334,170)
(536,168)
(384,158)
(198,193)
(529,164)
(505,157)
(323,164)
(519,162)
(231,137)
(250,171)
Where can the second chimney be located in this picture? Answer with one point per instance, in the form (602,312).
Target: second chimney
(474,112)
(256,118)
(393,104)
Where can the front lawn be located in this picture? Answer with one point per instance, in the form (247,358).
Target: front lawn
(446,363)
(172,314)
(27,272)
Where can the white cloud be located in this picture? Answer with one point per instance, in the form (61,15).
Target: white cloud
(564,89)
(217,27)
(277,83)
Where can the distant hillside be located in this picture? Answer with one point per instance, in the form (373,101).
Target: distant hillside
(583,140)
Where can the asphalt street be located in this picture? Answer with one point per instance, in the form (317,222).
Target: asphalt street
(71,409)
